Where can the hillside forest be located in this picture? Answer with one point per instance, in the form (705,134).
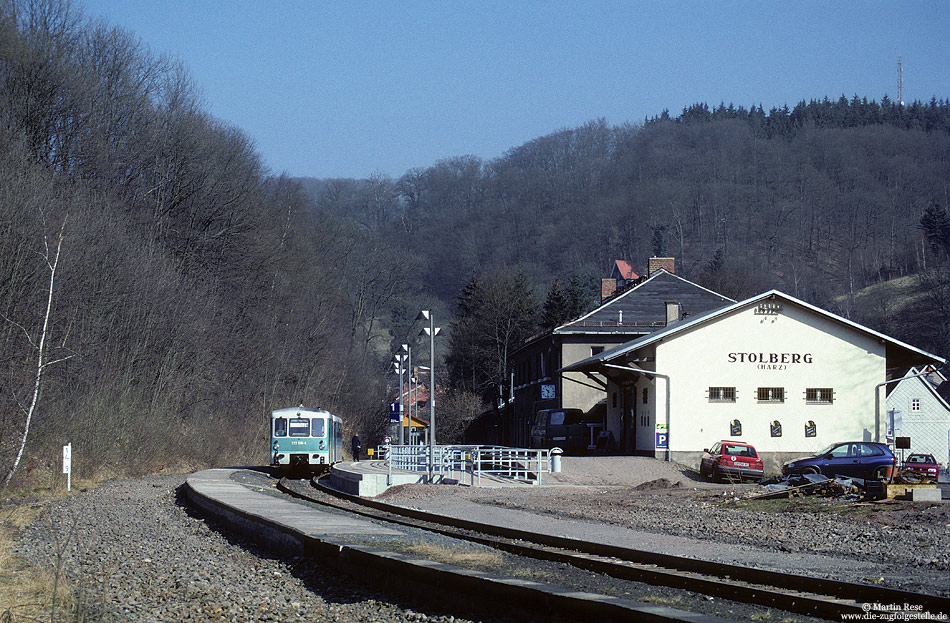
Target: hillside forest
(161,290)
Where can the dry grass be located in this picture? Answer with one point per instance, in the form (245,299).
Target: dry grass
(461,558)
(26,591)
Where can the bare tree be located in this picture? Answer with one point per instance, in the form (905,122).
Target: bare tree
(52,262)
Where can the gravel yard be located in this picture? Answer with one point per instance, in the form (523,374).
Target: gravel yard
(139,554)
(903,544)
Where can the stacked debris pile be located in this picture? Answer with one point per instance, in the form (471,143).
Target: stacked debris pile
(818,484)
(908,477)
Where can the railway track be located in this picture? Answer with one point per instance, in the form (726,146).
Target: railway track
(816,597)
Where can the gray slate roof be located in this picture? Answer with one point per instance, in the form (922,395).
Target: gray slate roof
(643,307)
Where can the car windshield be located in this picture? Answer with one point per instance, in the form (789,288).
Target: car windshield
(828,449)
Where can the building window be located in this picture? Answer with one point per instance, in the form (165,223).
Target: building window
(596,350)
(915,405)
(819,395)
(771,394)
(646,395)
(722,394)
(613,399)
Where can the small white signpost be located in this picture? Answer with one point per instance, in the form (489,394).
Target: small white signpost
(68,464)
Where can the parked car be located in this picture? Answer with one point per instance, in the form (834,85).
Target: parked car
(731,460)
(858,459)
(922,465)
(560,428)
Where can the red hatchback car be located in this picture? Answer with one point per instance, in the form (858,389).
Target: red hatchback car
(923,465)
(732,461)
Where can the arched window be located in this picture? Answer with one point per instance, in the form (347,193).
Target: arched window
(646,394)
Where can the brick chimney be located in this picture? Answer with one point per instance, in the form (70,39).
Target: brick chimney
(666,263)
(607,288)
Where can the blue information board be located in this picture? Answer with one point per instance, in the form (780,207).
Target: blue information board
(395,410)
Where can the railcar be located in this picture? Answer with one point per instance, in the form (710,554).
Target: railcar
(305,439)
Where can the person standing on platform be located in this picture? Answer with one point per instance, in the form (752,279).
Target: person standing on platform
(357,446)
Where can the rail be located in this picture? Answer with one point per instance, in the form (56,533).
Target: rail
(470,461)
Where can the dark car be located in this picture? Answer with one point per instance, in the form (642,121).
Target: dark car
(560,428)
(922,465)
(732,461)
(858,459)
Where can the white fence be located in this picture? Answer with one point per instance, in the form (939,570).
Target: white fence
(470,463)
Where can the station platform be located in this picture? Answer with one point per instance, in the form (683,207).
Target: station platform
(372,477)
(217,491)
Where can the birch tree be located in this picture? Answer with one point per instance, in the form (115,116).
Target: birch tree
(51,259)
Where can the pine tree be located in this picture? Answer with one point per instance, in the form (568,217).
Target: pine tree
(936,226)
(578,298)
(557,308)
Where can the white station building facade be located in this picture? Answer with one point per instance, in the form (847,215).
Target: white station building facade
(774,371)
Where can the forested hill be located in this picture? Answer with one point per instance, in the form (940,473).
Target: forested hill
(933,116)
(160,293)
(818,201)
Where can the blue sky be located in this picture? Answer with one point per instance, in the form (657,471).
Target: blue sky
(348,88)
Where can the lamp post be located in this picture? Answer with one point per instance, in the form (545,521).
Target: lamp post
(408,350)
(431,331)
(399,359)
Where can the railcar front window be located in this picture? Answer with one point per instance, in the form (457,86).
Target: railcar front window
(319,428)
(280,427)
(299,427)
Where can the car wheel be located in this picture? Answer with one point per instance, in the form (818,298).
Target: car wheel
(716,476)
(810,470)
(881,473)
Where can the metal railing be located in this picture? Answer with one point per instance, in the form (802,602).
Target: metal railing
(471,461)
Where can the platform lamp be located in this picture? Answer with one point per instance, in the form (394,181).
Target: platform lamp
(431,331)
(407,421)
(399,361)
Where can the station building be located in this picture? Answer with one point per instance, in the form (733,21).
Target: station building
(631,306)
(777,372)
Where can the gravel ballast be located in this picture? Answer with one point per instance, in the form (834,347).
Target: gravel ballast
(138,553)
